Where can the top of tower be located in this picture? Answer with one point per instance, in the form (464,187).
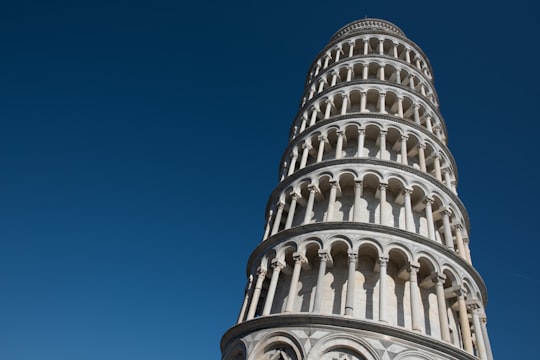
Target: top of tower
(367,24)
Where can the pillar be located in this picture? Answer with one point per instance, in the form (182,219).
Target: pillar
(309,207)
(382,145)
(363,99)
(298,260)
(357,199)
(261,274)
(459,241)
(383,262)
(292,209)
(422,156)
(382,205)
(349,299)
(442,309)
(277,219)
(331,200)
(320,153)
(480,345)
(305,155)
(361,141)
(429,218)
(339,145)
(276,269)
(294,157)
(267,226)
(246,299)
(324,257)
(409,221)
(464,323)
(447,230)
(415,297)
(404,139)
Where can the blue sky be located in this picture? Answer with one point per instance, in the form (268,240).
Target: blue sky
(139,142)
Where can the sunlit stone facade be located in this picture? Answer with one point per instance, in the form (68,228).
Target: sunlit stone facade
(365,254)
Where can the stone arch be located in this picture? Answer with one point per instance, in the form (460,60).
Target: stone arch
(278,341)
(428,267)
(359,348)
(366,301)
(399,309)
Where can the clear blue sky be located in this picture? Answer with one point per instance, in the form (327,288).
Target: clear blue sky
(139,142)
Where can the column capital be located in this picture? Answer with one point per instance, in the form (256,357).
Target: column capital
(428,200)
(383,132)
(353,256)
(295,195)
(404,137)
(299,258)
(313,188)
(277,264)
(340,132)
(333,183)
(406,191)
(361,131)
(280,204)
(261,272)
(324,255)
(322,138)
(307,146)
(446,211)
(458,226)
(383,186)
(383,261)
(357,183)
(413,266)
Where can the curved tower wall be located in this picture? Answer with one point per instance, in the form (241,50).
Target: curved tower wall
(365,253)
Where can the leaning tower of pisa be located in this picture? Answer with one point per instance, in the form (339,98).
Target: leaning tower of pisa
(365,253)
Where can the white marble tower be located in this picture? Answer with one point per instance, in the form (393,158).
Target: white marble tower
(365,254)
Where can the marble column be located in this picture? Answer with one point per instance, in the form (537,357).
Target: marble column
(276,269)
(309,207)
(261,274)
(383,262)
(409,220)
(480,345)
(429,218)
(277,219)
(442,308)
(246,299)
(357,199)
(415,297)
(320,153)
(298,260)
(331,201)
(404,139)
(382,205)
(292,209)
(349,299)
(324,257)
(361,140)
(464,322)
(449,241)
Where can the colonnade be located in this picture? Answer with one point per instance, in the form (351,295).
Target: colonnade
(371,45)
(458,319)
(362,100)
(373,141)
(370,200)
(372,70)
